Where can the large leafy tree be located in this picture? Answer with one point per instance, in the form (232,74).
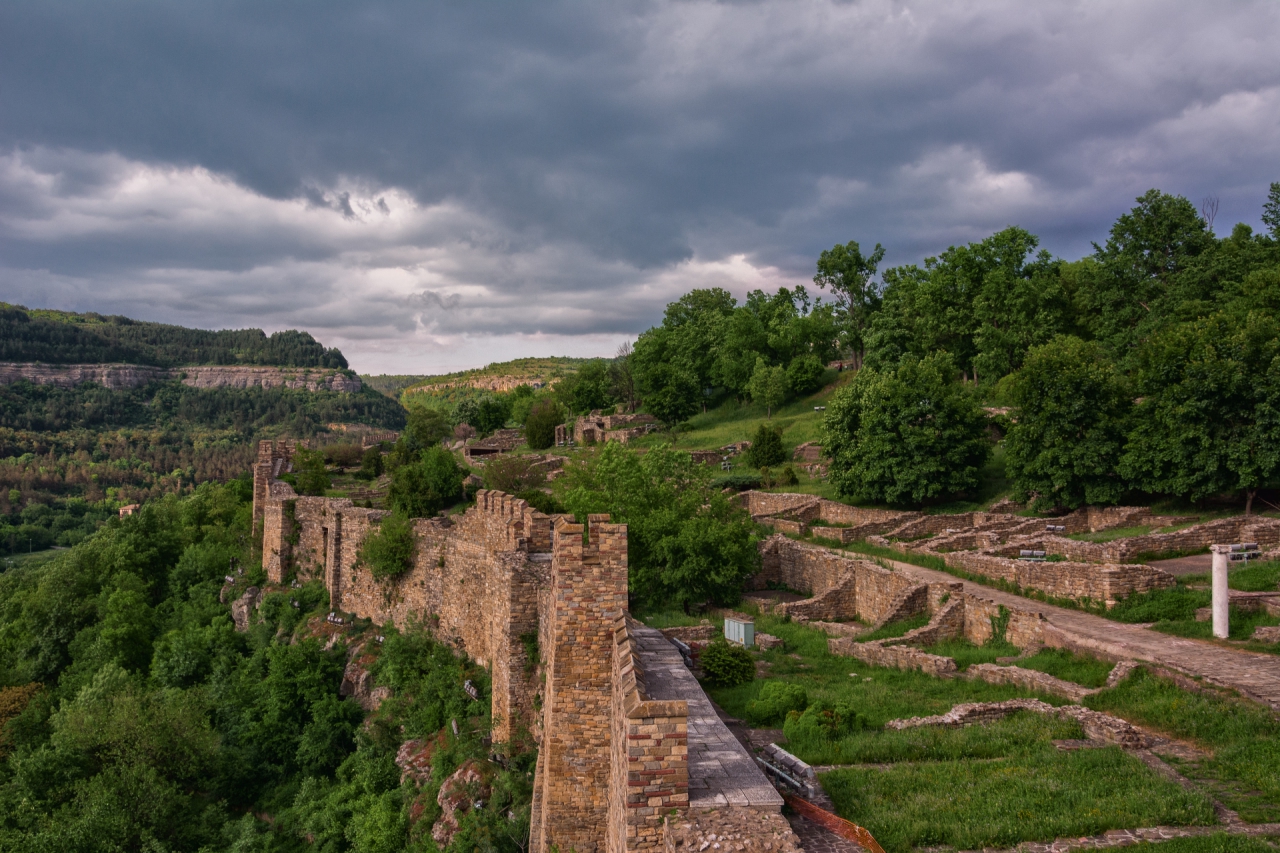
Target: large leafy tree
(687,544)
(850,276)
(985,303)
(1070,407)
(906,436)
(1209,419)
(768,386)
(1136,287)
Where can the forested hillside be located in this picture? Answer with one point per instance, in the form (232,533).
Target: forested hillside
(134,716)
(62,337)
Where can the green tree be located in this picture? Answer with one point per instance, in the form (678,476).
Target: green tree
(686,543)
(907,436)
(1134,290)
(371,463)
(671,394)
(426,426)
(586,390)
(309,471)
(1070,411)
(1271,210)
(389,548)
(768,386)
(423,488)
(766,448)
(804,374)
(540,426)
(849,275)
(1209,419)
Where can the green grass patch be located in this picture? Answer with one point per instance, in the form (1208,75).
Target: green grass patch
(1039,796)
(888,694)
(1244,738)
(1255,577)
(1111,534)
(927,561)
(1240,628)
(1176,604)
(1085,670)
(895,629)
(673,619)
(965,653)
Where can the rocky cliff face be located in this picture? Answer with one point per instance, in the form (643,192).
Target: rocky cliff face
(119,376)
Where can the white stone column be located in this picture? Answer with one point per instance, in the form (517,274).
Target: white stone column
(1221,595)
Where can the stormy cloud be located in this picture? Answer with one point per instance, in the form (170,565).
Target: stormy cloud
(433,186)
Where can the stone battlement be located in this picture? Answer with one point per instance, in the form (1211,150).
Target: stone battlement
(541,602)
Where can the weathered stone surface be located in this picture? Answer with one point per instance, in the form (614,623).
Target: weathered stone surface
(120,376)
(459,793)
(1267,633)
(242,608)
(1027,679)
(729,830)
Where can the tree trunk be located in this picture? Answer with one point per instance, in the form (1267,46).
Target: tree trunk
(1248,501)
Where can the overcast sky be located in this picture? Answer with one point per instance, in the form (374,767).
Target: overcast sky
(434,186)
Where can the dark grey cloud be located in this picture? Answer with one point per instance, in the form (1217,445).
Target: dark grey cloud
(427,182)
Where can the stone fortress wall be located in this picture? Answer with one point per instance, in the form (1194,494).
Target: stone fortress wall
(613,766)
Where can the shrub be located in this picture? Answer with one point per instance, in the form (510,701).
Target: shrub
(804,374)
(738,482)
(513,474)
(370,464)
(727,665)
(777,699)
(309,472)
(425,487)
(766,448)
(388,550)
(542,502)
(540,426)
(823,721)
(343,455)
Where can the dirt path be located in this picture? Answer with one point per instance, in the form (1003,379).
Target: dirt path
(1254,675)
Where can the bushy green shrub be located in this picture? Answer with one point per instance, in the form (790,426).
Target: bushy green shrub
(513,474)
(738,482)
(777,699)
(804,374)
(423,488)
(388,550)
(823,721)
(727,665)
(310,476)
(766,448)
(540,425)
(370,464)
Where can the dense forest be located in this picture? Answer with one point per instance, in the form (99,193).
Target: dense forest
(134,716)
(61,337)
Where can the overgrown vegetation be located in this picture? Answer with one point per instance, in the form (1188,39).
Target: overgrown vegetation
(388,551)
(135,717)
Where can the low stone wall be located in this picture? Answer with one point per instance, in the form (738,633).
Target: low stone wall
(879,653)
(1079,581)
(729,829)
(1027,679)
(1097,726)
(1264,531)
(842,588)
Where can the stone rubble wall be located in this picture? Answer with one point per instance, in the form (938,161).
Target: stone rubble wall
(1027,679)
(729,830)
(1096,725)
(1106,583)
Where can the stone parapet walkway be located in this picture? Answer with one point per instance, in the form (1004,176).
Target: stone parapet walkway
(721,773)
(1252,674)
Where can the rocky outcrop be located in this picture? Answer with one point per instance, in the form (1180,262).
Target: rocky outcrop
(121,376)
(242,608)
(461,792)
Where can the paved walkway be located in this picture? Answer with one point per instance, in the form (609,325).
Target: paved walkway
(1254,675)
(721,773)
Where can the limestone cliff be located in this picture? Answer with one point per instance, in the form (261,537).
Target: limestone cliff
(120,376)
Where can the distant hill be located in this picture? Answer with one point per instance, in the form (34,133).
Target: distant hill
(499,376)
(391,384)
(63,337)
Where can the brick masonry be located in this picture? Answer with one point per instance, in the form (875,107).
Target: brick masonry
(612,760)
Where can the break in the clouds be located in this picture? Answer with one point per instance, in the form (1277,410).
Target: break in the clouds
(433,186)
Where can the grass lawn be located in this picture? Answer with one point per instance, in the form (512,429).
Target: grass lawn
(895,629)
(965,653)
(1039,795)
(878,694)
(1249,577)
(1110,535)
(1243,738)
(1085,670)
